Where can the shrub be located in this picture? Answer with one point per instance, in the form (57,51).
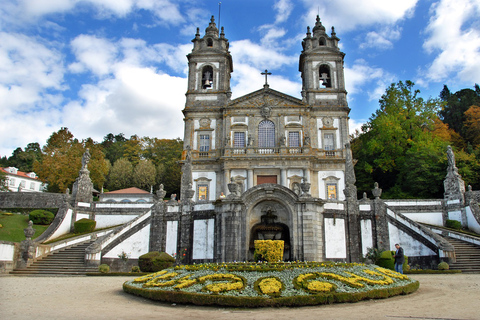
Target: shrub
(454,224)
(135,269)
(155,261)
(42,217)
(387,261)
(104,268)
(443,266)
(84,225)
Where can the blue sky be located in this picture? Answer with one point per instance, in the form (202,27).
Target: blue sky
(119,66)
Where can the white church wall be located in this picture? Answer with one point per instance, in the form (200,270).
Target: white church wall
(434,218)
(472,221)
(455,215)
(367,235)
(172,234)
(411,246)
(203,235)
(110,220)
(82,216)
(134,246)
(335,245)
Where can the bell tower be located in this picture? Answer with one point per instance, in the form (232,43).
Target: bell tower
(321,66)
(209,68)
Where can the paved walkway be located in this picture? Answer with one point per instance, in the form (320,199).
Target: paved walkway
(439,297)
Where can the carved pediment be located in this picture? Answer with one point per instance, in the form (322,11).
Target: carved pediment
(266,98)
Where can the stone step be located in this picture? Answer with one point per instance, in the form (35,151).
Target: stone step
(68,261)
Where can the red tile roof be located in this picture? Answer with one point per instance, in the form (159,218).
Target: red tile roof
(132,190)
(19,173)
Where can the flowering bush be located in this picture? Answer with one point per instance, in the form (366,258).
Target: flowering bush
(271,284)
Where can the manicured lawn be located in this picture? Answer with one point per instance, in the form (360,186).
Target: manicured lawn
(13,225)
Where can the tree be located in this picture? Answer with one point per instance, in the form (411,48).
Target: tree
(455,105)
(398,139)
(133,150)
(114,146)
(3,181)
(165,154)
(61,161)
(23,160)
(472,125)
(144,174)
(120,175)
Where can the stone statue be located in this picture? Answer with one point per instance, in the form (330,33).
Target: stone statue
(450,157)
(161,193)
(86,158)
(306,141)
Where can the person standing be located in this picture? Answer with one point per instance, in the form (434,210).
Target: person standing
(399,258)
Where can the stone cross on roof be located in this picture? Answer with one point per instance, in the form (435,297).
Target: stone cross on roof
(266,74)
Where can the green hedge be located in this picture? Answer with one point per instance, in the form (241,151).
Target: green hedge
(252,302)
(155,261)
(454,224)
(84,225)
(42,217)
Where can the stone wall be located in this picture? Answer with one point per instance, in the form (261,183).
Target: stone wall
(31,200)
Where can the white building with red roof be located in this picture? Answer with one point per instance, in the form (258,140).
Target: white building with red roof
(127,195)
(19,181)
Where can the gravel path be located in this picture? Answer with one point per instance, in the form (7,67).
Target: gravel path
(439,297)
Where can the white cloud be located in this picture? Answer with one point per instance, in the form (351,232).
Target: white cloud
(93,54)
(363,78)
(167,12)
(245,51)
(284,9)
(350,14)
(454,37)
(355,125)
(382,39)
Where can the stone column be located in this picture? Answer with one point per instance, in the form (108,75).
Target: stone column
(27,247)
(283,177)
(250,178)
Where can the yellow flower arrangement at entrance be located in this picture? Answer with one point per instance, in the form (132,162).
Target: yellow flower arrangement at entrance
(270,250)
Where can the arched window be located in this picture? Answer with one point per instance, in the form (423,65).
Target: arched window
(209,42)
(325,77)
(207,77)
(322,41)
(266,134)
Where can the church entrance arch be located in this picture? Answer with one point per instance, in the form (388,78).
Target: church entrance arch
(269,220)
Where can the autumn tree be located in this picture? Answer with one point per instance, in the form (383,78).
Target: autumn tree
(144,175)
(472,125)
(61,161)
(120,175)
(114,146)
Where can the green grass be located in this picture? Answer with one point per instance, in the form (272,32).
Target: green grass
(13,225)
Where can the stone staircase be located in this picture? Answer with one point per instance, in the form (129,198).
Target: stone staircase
(66,262)
(467,254)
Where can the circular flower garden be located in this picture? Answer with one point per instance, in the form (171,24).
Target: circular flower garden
(271,284)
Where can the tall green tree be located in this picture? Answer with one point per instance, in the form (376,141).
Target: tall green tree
(144,174)
(114,146)
(120,175)
(23,159)
(455,105)
(165,154)
(398,139)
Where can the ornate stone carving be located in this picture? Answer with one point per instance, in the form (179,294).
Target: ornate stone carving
(376,191)
(266,111)
(327,122)
(205,123)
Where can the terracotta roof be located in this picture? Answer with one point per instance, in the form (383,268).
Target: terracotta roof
(19,173)
(132,190)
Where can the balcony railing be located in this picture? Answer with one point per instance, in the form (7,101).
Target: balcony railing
(251,151)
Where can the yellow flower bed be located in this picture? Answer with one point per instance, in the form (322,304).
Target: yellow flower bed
(235,282)
(158,281)
(270,250)
(320,286)
(149,277)
(270,286)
